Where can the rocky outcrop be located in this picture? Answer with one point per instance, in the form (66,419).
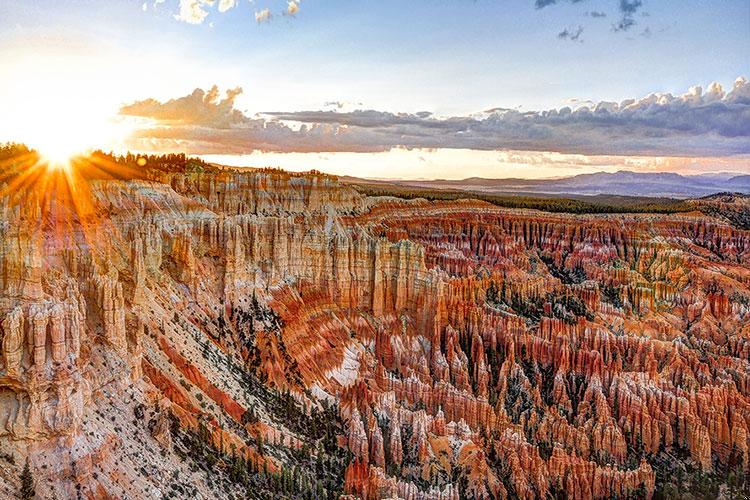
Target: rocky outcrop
(470,351)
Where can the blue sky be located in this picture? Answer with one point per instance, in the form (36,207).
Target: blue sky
(456,56)
(448,57)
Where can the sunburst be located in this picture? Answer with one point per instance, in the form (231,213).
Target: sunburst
(58,197)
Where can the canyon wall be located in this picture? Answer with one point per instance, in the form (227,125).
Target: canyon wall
(466,350)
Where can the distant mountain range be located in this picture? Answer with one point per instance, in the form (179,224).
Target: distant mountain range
(623,183)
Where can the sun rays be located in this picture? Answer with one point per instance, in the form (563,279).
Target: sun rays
(61,200)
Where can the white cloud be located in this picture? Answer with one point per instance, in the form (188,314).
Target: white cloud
(263,16)
(196,11)
(225,5)
(292,7)
(199,108)
(193,11)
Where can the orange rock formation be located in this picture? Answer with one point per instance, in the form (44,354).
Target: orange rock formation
(471,350)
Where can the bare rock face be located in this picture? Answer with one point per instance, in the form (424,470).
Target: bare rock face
(45,390)
(13,342)
(111,308)
(285,334)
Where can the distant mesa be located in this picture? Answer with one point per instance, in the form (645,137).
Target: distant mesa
(622,183)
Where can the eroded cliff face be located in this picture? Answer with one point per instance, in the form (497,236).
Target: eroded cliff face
(272,321)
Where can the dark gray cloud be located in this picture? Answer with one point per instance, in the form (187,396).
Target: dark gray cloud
(540,4)
(572,34)
(698,123)
(628,9)
(624,24)
(340,105)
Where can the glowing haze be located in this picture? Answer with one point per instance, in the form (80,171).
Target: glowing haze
(522,88)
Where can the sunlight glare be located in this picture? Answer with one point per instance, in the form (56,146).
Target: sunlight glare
(64,122)
(57,151)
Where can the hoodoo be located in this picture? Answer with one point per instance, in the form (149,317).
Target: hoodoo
(209,333)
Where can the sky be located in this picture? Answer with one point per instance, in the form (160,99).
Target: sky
(417,89)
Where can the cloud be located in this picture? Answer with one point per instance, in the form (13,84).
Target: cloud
(196,11)
(628,9)
(540,4)
(225,5)
(292,7)
(623,24)
(199,108)
(343,105)
(193,11)
(573,34)
(696,123)
(263,16)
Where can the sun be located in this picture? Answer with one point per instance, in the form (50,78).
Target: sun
(60,130)
(60,137)
(58,154)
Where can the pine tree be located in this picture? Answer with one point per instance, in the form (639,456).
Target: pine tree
(27,482)
(260,444)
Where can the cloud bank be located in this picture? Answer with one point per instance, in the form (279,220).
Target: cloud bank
(697,123)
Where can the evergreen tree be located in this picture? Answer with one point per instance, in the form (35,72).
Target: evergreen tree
(27,482)
(260,444)
(491,294)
